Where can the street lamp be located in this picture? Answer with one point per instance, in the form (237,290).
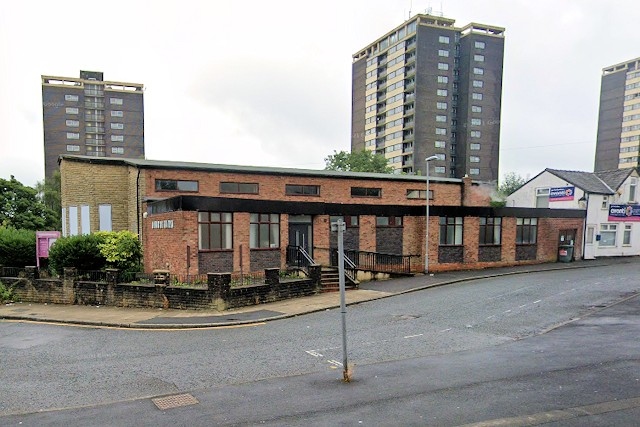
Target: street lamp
(426,219)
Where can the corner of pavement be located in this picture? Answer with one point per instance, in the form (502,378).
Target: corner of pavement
(135,318)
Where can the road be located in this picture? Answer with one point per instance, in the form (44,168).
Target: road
(46,366)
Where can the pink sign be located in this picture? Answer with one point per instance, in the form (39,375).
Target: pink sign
(44,240)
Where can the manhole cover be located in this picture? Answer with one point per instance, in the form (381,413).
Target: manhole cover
(174,401)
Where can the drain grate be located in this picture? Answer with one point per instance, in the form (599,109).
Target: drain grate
(175,401)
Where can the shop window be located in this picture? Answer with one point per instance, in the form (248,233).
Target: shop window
(264,231)
(608,234)
(215,230)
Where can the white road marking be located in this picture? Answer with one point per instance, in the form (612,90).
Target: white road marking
(334,362)
(508,311)
(493,315)
(445,330)
(535,302)
(413,336)
(523,305)
(313,353)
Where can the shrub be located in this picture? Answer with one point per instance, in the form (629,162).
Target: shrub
(81,252)
(122,250)
(6,294)
(17,247)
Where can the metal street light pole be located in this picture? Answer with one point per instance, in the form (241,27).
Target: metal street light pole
(426,219)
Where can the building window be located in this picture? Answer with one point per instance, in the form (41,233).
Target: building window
(71,110)
(605,202)
(239,187)
(443,39)
(302,190)
(441,131)
(72,123)
(476,122)
(476,109)
(419,194)
(73,135)
(444,53)
(479,45)
(526,231)
(366,192)
(633,183)
(351,221)
(117,150)
(474,171)
(115,101)
(104,215)
(478,58)
(474,159)
(441,92)
(441,105)
(176,185)
(264,231)
(477,96)
(71,97)
(443,79)
(85,224)
(72,147)
(626,237)
(474,146)
(215,230)
(608,234)
(117,138)
(440,156)
(439,169)
(440,144)
(490,231)
(443,66)
(478,71)
(388,221)
(73,220)
(451,230)
(117,126)
(441,118)
(542,197)
(476,134)
(116,113)
(478,83)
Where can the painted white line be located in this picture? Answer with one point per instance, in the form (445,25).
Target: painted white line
(413,336)
(445,330)
(523,305)
(334,362)
(313,353)
(493,315)
(508,311)
(535,302)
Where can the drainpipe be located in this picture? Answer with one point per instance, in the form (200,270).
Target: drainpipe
(586,220)
(138,203)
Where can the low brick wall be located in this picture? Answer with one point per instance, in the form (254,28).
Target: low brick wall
(218,293)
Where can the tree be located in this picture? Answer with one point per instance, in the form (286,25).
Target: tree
(49,194)
(20,207)
(510,183)
(359,161)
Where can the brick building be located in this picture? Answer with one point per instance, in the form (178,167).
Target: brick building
(197,218)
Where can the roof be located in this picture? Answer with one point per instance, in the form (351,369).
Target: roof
(603,182)
(263,170)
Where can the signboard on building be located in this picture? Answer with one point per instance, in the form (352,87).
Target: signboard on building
(624,213)
(560,194)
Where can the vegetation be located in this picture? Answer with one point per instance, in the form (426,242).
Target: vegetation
(48,192)
(21,208)
(121,249)
(6,294)
(510,183)
(17,247)
(360,161)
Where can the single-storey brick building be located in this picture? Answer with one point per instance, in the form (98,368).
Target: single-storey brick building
(196,218)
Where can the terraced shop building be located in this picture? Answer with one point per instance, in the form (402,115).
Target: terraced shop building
(195,218)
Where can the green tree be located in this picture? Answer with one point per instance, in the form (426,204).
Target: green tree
(359,161)
(510,183)
(121,249)
(21,208)
(49,194)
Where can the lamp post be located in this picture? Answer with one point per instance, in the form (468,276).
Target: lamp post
(426,219)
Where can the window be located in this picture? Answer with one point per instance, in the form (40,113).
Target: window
(443,39)
(117,126)
(441,105)
(419,194)
(239,187)
(441,131)
(264,231)
(71,147)
(626,237)
(71,110)
(526,231)
(478,71)
(633,183)
(438,169)
(474,159)
(476,122)
(474,146)
(441,92)
(117,150)
(73,220)
(443,53)
(440,144)
(443,66)
(608,234)
(441,118)
(104,214)
(215,230)
(478,58)
(85,225)
(115,101)
(366,192)
(451,230)
(117,138)
(72,123)
(176,185)
(476,96)
(476,134)
(73,135)
(116,113)
(476,109)
(490,231)
(542,197)
(474,171)
(479,45)
(440,156)
(71,97)
(443,79)
(388,221)
(302,190)
(605,202)
(478,83)
(350,221)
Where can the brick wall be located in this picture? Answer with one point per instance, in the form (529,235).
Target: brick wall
(166,248)
(389,240)
(367,233)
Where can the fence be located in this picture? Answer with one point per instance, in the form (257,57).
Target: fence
(376,262)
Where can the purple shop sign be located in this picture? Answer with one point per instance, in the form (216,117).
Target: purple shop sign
(624,213)
(559,194)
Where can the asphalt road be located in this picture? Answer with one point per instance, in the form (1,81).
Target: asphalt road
(431,340)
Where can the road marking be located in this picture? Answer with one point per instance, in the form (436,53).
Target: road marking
(523,305)
(493,315)
(535,302)
(414,336)
(445,330)
(334,362)
(508,311)
(313,353)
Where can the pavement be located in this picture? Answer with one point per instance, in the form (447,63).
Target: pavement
(119,317)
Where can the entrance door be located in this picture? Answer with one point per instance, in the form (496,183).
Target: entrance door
(301,232)
(589,243)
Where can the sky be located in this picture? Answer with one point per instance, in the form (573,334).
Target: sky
(268,83)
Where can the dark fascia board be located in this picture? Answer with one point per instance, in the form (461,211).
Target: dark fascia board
(221,204)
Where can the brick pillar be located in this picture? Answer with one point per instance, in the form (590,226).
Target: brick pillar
(471,230)
(284,239)
(368,233)
(219,285)
(321,234)
(113,275)
(315,273)
(508,239)
(272,276)
(241,251)
(70,274)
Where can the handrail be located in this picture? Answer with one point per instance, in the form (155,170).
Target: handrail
(374,261)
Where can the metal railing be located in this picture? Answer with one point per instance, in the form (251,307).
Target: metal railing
(374,261)
(12,272)
(188,280)
(92,275)
(247,279)
(297,256)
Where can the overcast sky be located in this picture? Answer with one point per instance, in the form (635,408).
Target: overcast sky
(268,83)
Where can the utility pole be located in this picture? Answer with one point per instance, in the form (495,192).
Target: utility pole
(340,227)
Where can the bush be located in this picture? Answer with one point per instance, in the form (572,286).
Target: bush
(122,250)
(81,252)
(6,294)
(17,247)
